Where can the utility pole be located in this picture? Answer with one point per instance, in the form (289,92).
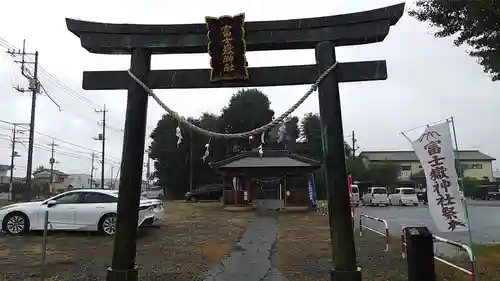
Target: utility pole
(148,169)
(52,161)
(34,87)
(102,137)
(92,171)
(353,146)
(13,155)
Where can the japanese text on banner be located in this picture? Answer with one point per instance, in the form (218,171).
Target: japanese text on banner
(435,151)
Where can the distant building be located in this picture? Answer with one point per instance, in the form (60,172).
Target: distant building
(475,164)
(80,181)
(5,175)
(59,179)
(4,170)
(496,174)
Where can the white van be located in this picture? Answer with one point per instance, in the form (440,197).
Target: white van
(376,196)
(404,196)
(355,195)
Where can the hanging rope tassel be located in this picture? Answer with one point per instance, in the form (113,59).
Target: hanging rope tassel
(260,150)
(262,142)
(178,134)
(207,151)
(281,132)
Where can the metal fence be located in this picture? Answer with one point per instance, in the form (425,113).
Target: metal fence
(384,234)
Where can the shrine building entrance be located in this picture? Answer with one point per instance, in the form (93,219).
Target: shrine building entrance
(275,180)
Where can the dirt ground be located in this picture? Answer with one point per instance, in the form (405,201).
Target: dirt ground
(193,237)
(304,254)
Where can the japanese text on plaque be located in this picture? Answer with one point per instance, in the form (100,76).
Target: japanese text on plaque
(227,47)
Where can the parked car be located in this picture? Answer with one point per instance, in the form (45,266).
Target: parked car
(205,192)
(79,210)
(153,193)
(486,192)
(376,196)
(422,195)
(355,195)
(404,196)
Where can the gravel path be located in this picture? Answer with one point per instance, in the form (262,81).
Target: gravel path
(376,264)
(254,256)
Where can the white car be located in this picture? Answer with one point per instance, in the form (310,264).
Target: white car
(80,210)
(355,195)
(376,196)
(404,196)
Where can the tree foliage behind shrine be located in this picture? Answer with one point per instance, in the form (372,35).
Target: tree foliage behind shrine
(476,23)
(246,110)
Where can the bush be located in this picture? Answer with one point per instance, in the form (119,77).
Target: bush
(470,185)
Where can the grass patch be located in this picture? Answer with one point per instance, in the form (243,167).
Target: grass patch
(4,202)
(488,261)
(192,238)
(304,254)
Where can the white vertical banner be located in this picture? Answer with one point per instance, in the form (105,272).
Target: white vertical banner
(434,148)
(235,183)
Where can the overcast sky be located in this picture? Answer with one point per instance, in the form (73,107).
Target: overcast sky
(429,78)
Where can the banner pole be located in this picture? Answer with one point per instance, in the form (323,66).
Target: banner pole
(461,183)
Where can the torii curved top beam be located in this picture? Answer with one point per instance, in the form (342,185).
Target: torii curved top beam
(346,29)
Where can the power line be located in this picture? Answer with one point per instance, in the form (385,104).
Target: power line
(88,150)
(55,81)
(61,152)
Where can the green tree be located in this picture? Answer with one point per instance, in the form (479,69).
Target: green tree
(172,164)
(312,146)
(477,24)
(247,110)
(384,174)
(203,173)
(357,169)
(292,130)
(311,131)
(170,161)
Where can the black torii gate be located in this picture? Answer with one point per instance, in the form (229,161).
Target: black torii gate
(322,34)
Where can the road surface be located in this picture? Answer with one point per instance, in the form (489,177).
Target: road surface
(484,220)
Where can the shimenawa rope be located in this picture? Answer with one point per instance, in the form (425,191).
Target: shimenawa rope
(253,132)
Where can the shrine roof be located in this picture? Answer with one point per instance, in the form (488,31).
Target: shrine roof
(271,158)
